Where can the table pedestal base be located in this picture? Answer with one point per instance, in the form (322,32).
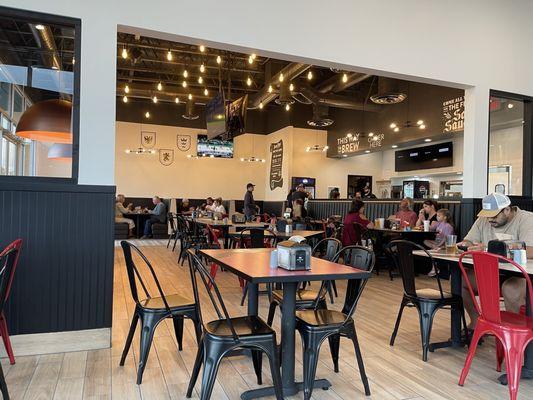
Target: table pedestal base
(526,374)
(269,391)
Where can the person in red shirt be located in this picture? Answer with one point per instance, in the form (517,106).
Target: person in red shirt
(355,215)
(405,214)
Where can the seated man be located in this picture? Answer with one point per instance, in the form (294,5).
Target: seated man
(209,204)
(405,214)
(158,215)
(120,210)
(499,220)
(218,207)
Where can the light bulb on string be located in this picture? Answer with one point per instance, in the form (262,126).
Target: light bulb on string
(159,86)
(344,78)
(125,99)
(206,92)
(281,77)
(184,84)
(249,81)
(202,48)
(177,100)
(154,99)
(147,114)
(190,96)
(287,107)
(310,75)
(261,105)
(126,89)
(219,59)
(270,89)
(185,73)
(291,87)
(202,68)
(200,80)
(124,53)
(250,60)
(169,55)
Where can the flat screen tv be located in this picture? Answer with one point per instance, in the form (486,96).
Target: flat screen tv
(236,116)
(427,157)
(214,147)
(215,116)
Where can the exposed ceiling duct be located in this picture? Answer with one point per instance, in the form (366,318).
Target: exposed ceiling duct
(290,72)
(45,40)
(284,96)
(389,92)
(320,118)
(334,100)
(334,84)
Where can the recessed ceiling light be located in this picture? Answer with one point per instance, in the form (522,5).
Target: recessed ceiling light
(427,140)
(345,155)
(394,146)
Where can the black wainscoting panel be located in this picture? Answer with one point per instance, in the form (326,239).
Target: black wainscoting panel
(64,280)
(273,207)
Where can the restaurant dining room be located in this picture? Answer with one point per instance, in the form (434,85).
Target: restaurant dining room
(282,201)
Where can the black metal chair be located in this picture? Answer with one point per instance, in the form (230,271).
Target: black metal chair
(152,310)
(427,301)
(171,218)
(225,334)
(190,237)
(318,324)
(254,238)
(7,264)
(306,298)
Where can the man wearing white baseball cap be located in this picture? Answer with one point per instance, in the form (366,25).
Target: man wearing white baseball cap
(498,219)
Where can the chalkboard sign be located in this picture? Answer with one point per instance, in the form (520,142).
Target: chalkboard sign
(276,165)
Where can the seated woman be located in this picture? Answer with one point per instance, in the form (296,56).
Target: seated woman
(405,214)
(428,212)
(355,215)
(218,207)
(443,227)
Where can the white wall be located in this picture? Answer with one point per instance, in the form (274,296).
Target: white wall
(447,42)
(143,175)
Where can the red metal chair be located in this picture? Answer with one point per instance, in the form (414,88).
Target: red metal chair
(16,246)
(513,331)
(213,242)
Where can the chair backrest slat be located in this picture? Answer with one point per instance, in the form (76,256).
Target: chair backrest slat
(327,248)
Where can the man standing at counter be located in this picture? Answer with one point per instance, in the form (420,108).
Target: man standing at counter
(499,220)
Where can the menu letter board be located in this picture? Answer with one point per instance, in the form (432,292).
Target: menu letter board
(276,165)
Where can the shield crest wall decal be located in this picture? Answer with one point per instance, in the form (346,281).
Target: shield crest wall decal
(184,142)
(166,157)
(147,139)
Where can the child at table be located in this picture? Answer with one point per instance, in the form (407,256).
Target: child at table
(443,227)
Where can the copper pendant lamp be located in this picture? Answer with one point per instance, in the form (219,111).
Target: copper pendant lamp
(60,152)
(47,121)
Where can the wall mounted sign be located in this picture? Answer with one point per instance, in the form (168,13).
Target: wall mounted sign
(453,113)
(276,165)
(166,157)
(183,142)
(148,139)
(348,143)
(376,140)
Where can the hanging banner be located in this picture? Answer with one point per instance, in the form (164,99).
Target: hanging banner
(166,157)
(276,165)
(453,114)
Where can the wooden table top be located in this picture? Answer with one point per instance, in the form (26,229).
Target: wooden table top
(282,234)
(253,265)
(441,255)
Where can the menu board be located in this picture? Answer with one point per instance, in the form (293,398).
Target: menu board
(276,165)
(453,113)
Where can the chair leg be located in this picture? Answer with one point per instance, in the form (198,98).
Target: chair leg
(175,241)
(334,286)
(129,339)
(311,350)
(360,362)
(178,329)
(470,355)
(209,375)
(3,385)
(397,324)
(147,334)
(274,371)
(197,329)
(334,344)
(271,312)
(500,352)
(5,337)
(244,294)
(330,292)
(514,358)
(427,312)
(257,359)
(196,368)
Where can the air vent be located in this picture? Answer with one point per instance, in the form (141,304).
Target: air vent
(189,111)
(388,92)
(284,97)
(320,118)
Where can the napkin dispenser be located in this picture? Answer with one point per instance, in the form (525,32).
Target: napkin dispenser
(505,248)
(238,218)
(294,256)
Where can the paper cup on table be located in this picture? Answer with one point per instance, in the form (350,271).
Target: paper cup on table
(381,222)
(426,226)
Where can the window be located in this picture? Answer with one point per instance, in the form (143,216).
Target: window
(506,145)
(31,77)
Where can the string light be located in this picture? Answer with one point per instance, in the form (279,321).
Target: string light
(200,80)
(159,86)
(154,99)
(202,68)
(287,107)
(147,114)
(281,77)
(184,84)
(202,48)
(344,78)
(124,53)
(190,96)
(261,105)
(249,81)
(177,100)
(250,60)
(185,73)
(270,89)
(206,92)
(169,55)
(125,99)
(310,75)
(219,59)
(127,89)
(291,87)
